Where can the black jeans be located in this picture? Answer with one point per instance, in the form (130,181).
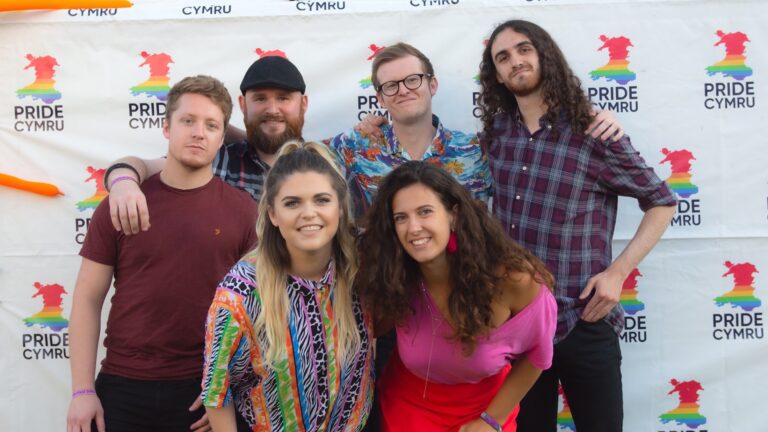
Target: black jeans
(588,364)
(136,405)
(385,346)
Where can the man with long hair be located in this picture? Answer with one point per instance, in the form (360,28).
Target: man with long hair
(556,192)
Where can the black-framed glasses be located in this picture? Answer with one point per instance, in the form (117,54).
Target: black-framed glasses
(411,82)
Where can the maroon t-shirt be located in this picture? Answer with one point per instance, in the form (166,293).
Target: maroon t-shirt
(165,278)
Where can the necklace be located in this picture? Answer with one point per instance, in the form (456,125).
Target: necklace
(435,321)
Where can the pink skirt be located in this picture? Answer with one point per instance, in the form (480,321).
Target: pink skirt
(444,409)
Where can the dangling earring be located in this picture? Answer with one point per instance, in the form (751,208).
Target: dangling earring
(452,245)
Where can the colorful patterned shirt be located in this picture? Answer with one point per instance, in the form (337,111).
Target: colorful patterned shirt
(241,167)
(309,389)
(368,161)
(556,193)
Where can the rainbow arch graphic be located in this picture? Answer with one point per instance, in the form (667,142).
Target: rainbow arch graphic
(628,298)
(742,295)
(564,417)
(687,410)
(157,84)
(680,178)
(734,63)
(617,68)
(97,176)
(50,316)
(43,86)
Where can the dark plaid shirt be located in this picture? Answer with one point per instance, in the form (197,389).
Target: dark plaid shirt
(241,167)
(556,192)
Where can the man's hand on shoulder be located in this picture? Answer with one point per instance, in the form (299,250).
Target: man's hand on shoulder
(370,127)
(605,126)
(128,208)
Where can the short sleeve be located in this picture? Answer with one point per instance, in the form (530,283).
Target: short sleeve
(226,345)
(543,325)
(101,241)
(341,147)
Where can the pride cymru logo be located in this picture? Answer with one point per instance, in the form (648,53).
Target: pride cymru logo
(97,176)
(742,295)
(368,81)
(687,411)
(680,179)
(42,89)
(564,417)
(157,84)
(733,63)
(617,68)
(628,299)
(50,315)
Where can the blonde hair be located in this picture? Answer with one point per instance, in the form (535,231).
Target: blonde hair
(203,85)
(272,258)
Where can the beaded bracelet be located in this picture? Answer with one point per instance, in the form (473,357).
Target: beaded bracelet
(484,416)
(120,165)
(121,178)
(83,392)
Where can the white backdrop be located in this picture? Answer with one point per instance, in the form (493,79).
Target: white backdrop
(63,127)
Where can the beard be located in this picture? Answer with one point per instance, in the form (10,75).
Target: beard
(526,87)
(270,144)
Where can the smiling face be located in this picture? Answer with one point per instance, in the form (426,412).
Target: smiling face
(517,63)
(407,106)
(422,222)
(306,210)
(272,116)
(195,131)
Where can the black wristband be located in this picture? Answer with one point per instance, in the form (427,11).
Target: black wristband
(116,166)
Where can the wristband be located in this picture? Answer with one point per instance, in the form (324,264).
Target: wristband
(83,392)
(121,178)
(120,165)
(484,416)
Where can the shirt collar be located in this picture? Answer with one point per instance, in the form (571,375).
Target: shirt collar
(437,143)
(244,150)
(325,282)
(517,119)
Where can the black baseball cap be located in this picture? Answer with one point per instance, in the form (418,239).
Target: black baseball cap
(273,71)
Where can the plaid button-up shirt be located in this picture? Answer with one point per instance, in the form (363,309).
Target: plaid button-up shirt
(556,193)
(241,167)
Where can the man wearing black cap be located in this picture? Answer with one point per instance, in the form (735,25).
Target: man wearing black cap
(273,105)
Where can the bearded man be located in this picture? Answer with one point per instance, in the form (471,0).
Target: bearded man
(273,104)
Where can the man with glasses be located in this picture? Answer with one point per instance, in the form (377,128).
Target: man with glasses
(405,83)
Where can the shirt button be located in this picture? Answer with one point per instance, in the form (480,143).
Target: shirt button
(549,126)
(513,226)
(530,139)
(517,197)
(525,168)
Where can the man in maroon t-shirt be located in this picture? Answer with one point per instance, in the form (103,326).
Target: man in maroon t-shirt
(164,279)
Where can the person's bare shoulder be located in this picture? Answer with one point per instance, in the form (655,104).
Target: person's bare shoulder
(519,290)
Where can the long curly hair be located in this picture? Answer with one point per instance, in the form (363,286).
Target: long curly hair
(560,88)
(388,277)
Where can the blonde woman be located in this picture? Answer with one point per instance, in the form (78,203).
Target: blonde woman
(287,342)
